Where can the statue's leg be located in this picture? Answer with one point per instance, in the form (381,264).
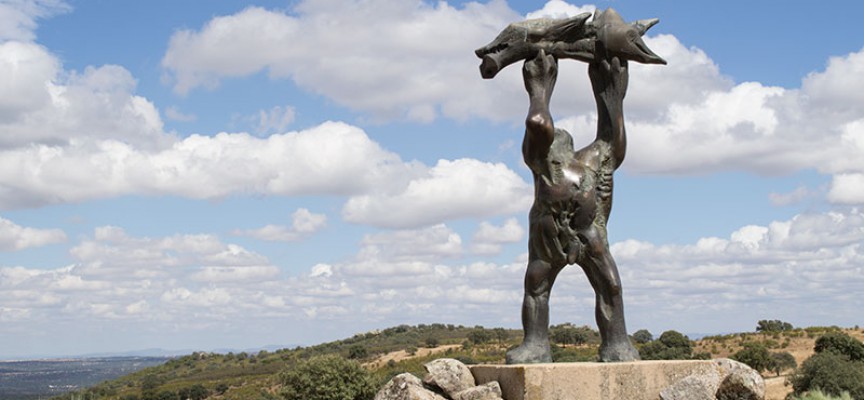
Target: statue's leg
(539,277)
(602,272)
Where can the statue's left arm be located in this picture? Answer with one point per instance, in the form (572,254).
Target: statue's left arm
(609,79)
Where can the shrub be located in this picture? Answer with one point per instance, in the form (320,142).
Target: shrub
(840,343)
(357,351)
(830,372)
(328,377)
(222,388)
(818,395)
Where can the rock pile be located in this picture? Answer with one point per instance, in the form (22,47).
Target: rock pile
(446,378)
(449,379)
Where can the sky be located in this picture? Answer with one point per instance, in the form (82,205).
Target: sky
(234,174)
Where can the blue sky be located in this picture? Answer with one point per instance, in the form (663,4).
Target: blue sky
(226,174)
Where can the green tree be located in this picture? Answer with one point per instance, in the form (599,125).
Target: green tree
(840,343)
(782,361)
(642,336)
(149,384)
(671,345)
(565,334)
(328,377)
(831,373)
(774,325)
(195,392)
(755,355)
(501,335)
(167,395)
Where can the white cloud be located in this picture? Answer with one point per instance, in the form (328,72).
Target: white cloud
(18,17)
(304,224)
(201,167)
(174,114)
(489,239)
(433,242)
(449,190)
(305,221)
(793,270)
(406,58)
(275,120)
(793,197)
(236,274)
(847,188)
(146,257)
(683,118)
(560,9)
(45,105)
(16,237)
(146,161)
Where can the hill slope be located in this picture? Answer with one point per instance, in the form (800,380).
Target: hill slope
(396,350)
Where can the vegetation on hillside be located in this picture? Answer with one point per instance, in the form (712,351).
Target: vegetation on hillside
(371,359)
(837,368)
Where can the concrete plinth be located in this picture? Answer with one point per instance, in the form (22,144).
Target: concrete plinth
(641,380)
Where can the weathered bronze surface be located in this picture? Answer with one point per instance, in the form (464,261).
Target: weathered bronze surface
(572,188)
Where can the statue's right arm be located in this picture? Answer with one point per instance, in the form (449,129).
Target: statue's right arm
(539,75)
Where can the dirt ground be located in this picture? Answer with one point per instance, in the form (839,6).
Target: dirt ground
(403,355)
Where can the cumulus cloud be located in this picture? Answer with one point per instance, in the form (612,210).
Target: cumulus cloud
(449,190)
(202,167)
(174,114)
(18,17)
(17,237)
(42,104)
(793,269)
(417,65)
(433,242)
(304,223)
(489,239)
(275,119)
(560,9)
(151,257)
(78,136)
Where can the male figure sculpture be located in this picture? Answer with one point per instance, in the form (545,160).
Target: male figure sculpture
(572,188)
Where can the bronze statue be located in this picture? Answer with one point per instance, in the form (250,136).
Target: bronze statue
(572,188)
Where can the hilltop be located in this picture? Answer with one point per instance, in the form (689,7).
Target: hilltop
(236,376)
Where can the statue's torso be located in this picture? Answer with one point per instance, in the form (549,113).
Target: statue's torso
(570,199)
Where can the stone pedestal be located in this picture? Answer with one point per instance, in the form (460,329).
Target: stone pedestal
(641,380)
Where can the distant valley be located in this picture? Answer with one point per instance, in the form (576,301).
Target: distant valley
(25,380)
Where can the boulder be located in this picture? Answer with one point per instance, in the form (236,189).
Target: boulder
(693,387)
(731,380)
(741,385)
(486,391)
(406,387)
(452,376)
